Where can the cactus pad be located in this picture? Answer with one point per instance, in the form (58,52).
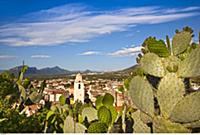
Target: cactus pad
(35,97)
(104,115)
(145,118)
(62,99)
(22,91)
(187,109)
(98,102)
(97,127)
(161,125)
(180,42)
(113,113)
(71,127)
(152,65)
(108,100)
(190,67)
(171,63)
(157,47)
(90,113)
(139,126)
(170,91)
(195,124)
(142,94)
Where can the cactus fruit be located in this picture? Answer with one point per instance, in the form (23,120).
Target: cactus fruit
(90,113)
(190,66)
(187,109)
(97,127)
(139,126)
(104,115)
(169,94)
(152,64)
(171,63)
(142,94)
(108,100)
(180,42)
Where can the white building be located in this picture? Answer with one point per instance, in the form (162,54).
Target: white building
(79,91)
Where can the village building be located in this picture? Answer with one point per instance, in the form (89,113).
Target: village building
(79,89)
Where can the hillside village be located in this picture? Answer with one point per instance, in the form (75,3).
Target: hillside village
(69,87)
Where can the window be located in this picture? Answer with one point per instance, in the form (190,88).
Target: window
(79,86)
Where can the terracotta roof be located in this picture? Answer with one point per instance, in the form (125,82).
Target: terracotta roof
(54,91)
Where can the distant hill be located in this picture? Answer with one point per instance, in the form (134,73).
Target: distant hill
(33,71)
(56,72)
(49,72)
(127,71)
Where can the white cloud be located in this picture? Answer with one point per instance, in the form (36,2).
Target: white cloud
(126,52)
(77,23)
(90,53)
(6,57)
(40,56)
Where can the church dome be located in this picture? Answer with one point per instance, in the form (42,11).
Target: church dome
(78,78)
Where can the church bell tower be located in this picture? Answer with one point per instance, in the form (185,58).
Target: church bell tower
(79,91)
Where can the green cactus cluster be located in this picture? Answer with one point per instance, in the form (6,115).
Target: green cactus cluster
(169,107)
(82,118)
(27,92)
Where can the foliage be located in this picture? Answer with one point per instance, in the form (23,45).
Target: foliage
(10,113)
(167,105)
(19,123)
(7,86)
(158,90)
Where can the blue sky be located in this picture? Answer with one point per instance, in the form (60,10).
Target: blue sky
(77,35)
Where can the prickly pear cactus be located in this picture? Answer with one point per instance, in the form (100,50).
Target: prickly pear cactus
(180,42)
(170,91)
(62,99)
(187,109)
(90,113)
(108,100)
(142,94)
(70,126)
(162,125)
(152,64)
(171,63)
(104,115)
(97,127)
(190,67)
(98,102)
(35,97)
(113,113)
(169,106)
(139,126)
(157,47)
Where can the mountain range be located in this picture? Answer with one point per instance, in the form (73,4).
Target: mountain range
(56,71)
(49,71)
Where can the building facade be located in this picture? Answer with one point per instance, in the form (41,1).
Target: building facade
(79,90)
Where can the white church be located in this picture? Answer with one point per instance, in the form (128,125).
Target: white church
(79,89)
